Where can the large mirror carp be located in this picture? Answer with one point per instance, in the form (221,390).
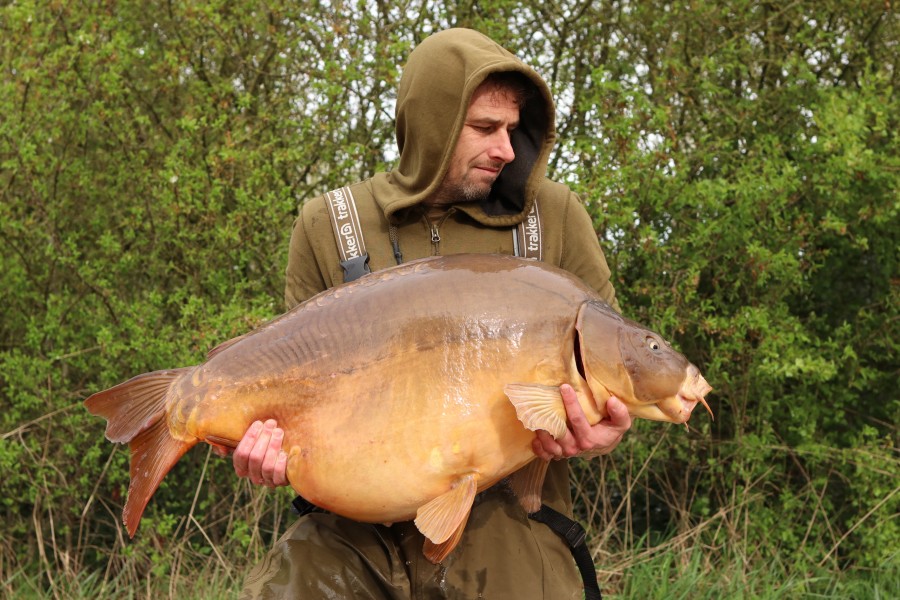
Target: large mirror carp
(406,392)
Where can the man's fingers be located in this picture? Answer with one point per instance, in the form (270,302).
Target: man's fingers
(257,457)
(269,465)
(545,446)
(619,417)
(575,414)
(280,476)
(241,456)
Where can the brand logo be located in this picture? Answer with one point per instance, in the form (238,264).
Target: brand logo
(340,205)
(351,245)
(532,232)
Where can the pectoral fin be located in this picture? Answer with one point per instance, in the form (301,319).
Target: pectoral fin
(220,442)
(527,483)
(443,519)
(538,407)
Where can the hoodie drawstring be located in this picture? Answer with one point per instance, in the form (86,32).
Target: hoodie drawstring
(395,243)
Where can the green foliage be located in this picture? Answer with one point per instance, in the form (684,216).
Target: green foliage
(686,575)
(750,205)
(740,161)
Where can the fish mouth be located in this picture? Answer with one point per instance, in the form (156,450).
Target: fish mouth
(678,408)
(687,406)
(693,391)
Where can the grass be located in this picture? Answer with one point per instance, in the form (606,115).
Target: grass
(742,549)
(664,576)
(201,584)
(695,576)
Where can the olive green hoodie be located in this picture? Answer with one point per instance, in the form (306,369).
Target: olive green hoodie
(502,553)
(437,84)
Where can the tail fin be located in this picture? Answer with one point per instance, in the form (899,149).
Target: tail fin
(135,413)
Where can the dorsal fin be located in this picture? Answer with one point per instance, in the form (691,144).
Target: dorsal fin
(224,345)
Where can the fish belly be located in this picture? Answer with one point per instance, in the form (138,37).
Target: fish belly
(406,440)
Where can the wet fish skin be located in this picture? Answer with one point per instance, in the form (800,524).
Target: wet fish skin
(405,393)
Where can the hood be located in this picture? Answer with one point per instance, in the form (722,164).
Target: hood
(437,84)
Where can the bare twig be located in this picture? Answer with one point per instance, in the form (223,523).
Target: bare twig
(858,523)
(25,426)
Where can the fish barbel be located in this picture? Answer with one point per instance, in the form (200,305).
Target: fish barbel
(406,392)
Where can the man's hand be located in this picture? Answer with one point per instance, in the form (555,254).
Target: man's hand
(582,438)
(259,455)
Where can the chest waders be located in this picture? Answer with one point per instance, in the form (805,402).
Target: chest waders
(527,243)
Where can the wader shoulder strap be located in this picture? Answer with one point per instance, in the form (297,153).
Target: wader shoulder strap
(528,237)
(347,233)
(573,533)
(355,263)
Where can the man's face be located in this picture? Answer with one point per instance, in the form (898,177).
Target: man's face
(483,148)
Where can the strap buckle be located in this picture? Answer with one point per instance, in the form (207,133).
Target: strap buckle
(355,267)
(575,535)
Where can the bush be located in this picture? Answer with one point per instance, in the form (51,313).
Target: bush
(740,161)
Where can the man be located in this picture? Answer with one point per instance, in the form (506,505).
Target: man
(475,130)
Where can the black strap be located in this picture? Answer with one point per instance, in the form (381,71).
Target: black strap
(574,534)
(301,506)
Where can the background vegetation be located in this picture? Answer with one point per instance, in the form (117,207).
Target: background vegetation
(741,162)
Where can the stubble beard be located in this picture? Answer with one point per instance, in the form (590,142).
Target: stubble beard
(474,192)
(464,191)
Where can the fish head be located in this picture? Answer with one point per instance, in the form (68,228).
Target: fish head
(621,358)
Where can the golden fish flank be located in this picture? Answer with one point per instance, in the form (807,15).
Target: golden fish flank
(401,398)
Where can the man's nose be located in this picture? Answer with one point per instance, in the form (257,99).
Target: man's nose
(501,149)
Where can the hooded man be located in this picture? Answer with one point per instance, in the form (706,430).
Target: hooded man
(475,128)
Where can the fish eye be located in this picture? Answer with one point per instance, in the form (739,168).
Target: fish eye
(653,344)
